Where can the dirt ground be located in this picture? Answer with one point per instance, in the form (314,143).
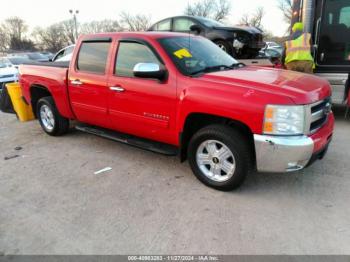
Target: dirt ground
(51,202)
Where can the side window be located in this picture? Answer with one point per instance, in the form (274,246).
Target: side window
(164,25)
(130,54)
(344,17)
(182,24)
(334,37)
(59,55)
(68,50)
(93,57)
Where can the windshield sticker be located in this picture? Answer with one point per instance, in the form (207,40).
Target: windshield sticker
(182,53)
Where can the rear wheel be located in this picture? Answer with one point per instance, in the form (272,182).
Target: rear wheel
(50,119)
(219,157)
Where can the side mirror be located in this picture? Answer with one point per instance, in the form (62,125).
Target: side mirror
(196,29)
(149,70)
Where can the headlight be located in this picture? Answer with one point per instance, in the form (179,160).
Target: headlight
(284,120)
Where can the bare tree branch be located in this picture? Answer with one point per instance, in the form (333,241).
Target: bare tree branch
(254,19)
(13,31)
(69,30)
(15,27)
(103,26)
(286,6)
(4,43)
(214,9)
(137,22)
(52,38)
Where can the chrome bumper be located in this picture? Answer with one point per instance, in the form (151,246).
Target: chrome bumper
(282,154)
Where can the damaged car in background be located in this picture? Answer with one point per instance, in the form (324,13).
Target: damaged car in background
(243,42)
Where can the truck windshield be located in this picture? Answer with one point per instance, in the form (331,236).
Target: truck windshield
(194,55)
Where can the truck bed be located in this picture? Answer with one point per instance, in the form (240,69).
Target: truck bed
(50,76)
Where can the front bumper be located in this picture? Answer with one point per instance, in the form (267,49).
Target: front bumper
(279,154)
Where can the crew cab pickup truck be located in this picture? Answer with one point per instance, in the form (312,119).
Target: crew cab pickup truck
(178,94)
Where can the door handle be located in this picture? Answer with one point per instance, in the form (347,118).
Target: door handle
(117,89)
(76,82)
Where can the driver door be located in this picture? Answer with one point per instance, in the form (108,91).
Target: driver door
(140,106)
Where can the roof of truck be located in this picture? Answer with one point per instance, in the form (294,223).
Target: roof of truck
(149,34)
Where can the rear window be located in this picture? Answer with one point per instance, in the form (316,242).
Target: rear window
(93,57)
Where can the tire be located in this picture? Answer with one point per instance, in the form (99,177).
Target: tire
(225,46)
(50,119)
(232,154)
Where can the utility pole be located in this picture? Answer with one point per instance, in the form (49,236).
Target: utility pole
(74,13)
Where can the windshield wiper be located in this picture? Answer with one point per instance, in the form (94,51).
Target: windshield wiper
(209,69)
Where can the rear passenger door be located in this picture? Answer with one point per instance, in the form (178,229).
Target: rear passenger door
(88,82)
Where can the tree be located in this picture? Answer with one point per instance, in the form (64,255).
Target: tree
(69,30)
(214,9)
(15,27)
(254,19)
(13,31)
(286,6)
(4,43)
(137,22)
(103,26)
(52,38)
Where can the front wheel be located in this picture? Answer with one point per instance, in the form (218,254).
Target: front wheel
(224,46)
(50,119)
(219,157)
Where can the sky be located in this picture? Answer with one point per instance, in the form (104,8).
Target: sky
(46,12)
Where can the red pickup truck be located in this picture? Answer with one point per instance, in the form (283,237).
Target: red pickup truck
(179,94)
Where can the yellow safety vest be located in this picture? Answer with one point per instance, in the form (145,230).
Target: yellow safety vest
(299,49)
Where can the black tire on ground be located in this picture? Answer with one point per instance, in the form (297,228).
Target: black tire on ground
(224,45)
(61,124)
(235,142)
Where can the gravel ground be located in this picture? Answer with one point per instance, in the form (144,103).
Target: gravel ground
(51,202)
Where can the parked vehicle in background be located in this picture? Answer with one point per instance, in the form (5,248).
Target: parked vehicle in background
(270,52)
(272,45)
(18,60)
(179,94)
(47,54)
(241,42)
(8,73)
(64,54)
(65,58)
(328,21)
(36,56)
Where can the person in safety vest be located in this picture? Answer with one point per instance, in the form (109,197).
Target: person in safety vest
(297,51)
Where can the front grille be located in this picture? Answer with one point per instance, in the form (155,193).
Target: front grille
(319,114)
(6,76)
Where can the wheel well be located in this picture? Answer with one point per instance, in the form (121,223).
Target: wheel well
(197,121)
(36,93)
(218,39)
(230,50)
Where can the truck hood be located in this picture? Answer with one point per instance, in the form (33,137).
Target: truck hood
(301,88)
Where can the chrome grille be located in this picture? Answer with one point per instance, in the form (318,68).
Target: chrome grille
(319,114)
